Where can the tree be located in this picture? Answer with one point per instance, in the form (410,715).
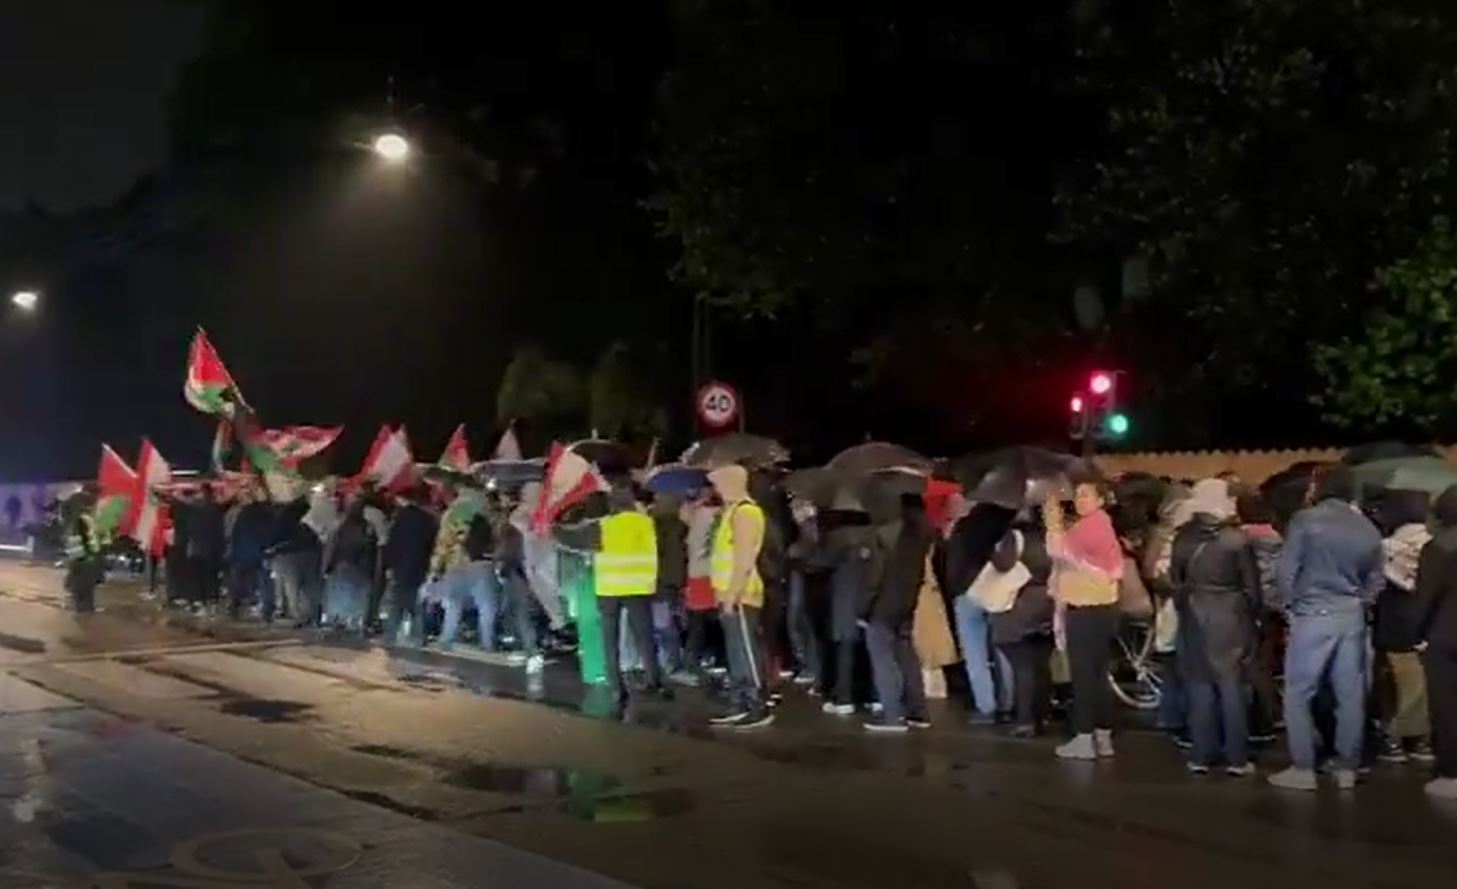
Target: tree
(625,392)
(537,388)
(1397,371)
(1263,157)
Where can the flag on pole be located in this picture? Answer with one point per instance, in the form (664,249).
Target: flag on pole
(116,485)
(570,478)
(508,448)
(389,465)
(152,515)
(293,444)
(457,451)
(209,387)
(222,445)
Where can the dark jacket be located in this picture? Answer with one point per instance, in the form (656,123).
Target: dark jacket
(410,544)
(1435,614)
(252,533)
(353,546)
(672,554)
(1216,588)
(290,534)
(1031,613)
(973,538)
(207,538)
(892,602)
(851,553)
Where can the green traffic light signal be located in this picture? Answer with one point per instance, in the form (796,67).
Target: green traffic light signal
(1118,424)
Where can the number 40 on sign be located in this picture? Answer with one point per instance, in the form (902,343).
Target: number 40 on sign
(719,405)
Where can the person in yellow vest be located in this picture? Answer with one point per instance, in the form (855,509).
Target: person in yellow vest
(625,569)
(739,590)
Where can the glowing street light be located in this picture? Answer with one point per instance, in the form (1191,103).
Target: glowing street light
(25,300)
(392,147)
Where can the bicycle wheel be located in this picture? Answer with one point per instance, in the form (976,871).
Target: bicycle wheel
(1132,674)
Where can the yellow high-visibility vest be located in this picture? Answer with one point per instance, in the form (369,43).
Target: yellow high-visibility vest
(627,565)
(723,554)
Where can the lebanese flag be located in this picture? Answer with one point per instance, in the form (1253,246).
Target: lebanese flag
(457,451)
(209,386)
(570,479)
(151,514)
(116,485)
(508,448)
(293,444)
(389,464)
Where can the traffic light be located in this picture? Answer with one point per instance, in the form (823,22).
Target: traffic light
(1106,418)
(1077,418)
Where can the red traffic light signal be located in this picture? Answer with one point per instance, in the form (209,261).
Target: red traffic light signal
(1101,382)
(1076,404)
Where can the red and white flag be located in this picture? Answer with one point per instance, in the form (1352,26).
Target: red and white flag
(570,478)
(457,451)
(389,464)
(293,444)
(508,448)
(151,514)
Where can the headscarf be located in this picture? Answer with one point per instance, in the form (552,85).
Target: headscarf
(1211,497)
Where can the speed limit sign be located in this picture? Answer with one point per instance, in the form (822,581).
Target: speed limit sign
(718,405)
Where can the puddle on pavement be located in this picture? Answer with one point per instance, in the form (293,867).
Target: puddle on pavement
(266,709)
(532,782)
(631,807)
(22,644)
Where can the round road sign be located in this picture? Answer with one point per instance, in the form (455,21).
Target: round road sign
(718,405)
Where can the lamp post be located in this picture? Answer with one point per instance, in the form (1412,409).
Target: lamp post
(25,300)
(391,147)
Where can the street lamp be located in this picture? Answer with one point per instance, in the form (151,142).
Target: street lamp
(25,300)
(392,147)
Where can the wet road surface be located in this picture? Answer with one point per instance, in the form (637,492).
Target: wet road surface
(123,740)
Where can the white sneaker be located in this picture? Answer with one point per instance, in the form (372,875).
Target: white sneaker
(1346,779)
(1243,771)
(834,709)
(1080,747)
(1103,743)
(535,664)
(1294,779)
(1442,788)
(517,658)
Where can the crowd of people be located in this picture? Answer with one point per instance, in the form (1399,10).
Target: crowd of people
(1337,624)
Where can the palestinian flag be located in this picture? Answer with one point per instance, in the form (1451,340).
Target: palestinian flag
(457,452)
(293,444)
(151,514)
(508,448)
(570,478)
(389,464)
(116,491)
(209,386)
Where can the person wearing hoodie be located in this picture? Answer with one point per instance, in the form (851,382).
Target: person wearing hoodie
(887,612)
(463,569)
(1216,588)
(1088,565)
(1331,570)
(1435,619)
(1407,730)
(249,535)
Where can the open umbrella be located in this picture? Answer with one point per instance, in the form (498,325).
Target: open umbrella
(509,474)
(736,447)
(603,452)
(1432,475)
(675,478)
(1022,476)
(875,456)
(441,474)
(832,489)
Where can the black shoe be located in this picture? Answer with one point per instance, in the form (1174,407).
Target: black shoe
(918,721)
(1183,742)
(1421,751)
(1392,751)
(880,726)
(979,718)
(1263,738)
(754,719)
(729,719)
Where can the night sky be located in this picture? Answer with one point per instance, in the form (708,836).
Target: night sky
(83,86)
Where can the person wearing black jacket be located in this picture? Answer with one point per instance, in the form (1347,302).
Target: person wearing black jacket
(1023,633)
(888,611)
(296,554)
(206,546)
(1435,618)
(672,534)
(407,553)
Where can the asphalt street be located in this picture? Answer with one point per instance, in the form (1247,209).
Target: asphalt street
(138,750)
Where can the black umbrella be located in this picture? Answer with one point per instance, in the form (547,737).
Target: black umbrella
(609,456)
(1384,450)
(1022,476)
(735,447)
(876,456)
(509,474)
(877,492)
(449,475)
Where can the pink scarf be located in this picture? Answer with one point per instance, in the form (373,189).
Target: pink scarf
(1091,540)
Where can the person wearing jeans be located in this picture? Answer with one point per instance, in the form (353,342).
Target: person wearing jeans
(992,689)
(887,614)
(1331,570)
(470,583)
